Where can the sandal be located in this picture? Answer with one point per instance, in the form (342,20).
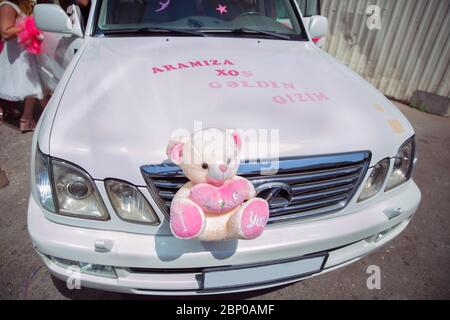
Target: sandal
(26,126)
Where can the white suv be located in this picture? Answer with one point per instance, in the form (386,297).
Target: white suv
(101,183)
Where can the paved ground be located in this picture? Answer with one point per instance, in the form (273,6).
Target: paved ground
(414,266)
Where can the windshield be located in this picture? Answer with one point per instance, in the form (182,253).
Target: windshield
(239,18)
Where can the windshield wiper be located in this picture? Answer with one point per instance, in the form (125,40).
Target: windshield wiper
(264,32)
(149,30)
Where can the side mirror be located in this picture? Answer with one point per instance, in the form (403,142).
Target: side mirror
(52,18)
(318,28)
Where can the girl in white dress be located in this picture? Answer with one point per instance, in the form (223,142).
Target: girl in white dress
(19,78)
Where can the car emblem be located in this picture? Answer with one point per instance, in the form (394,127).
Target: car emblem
(278,195)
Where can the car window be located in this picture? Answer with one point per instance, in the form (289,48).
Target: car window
(309,7)
(200,15)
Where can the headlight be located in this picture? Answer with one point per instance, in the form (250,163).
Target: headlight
(375,181)
(76,193)
(403,165)
(129,203)
(41,182)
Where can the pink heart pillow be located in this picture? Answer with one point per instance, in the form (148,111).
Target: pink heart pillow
(220,199)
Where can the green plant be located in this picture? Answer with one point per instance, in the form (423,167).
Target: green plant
(419,106)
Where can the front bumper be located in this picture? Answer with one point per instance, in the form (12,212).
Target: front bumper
(171,266)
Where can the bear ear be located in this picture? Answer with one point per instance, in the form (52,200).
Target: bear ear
(175,152)
(237,140)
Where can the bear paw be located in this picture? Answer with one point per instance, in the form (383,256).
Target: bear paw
(249,221)
(187,220)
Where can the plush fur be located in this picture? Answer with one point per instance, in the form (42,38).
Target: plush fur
(215,204)
(30,37)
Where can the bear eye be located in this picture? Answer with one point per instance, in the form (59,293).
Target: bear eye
(229,161)
(205,165)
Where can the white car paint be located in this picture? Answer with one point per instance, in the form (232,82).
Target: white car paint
(124,87)
(113,112)
(58,51)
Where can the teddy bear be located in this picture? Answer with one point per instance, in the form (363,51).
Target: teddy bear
(215,204)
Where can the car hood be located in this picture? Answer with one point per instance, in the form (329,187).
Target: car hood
(127,96)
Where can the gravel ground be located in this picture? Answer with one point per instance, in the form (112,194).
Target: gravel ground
(414,266)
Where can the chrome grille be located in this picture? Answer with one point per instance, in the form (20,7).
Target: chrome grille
(312,185)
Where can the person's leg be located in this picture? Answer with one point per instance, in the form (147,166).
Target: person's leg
(2,112)
(27,122)
(28,109)
(44,101)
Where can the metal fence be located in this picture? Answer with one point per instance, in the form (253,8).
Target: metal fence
(410,52)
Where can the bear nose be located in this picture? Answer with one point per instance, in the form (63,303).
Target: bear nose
(223,167)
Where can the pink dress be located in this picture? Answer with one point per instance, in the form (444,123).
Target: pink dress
(19,77)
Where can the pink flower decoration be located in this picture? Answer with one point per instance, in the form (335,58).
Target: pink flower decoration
(30,37)
(222,9)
